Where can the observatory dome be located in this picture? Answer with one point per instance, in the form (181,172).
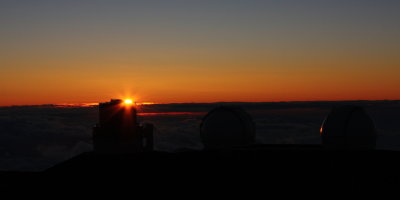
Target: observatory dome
(348,127)
(227,126)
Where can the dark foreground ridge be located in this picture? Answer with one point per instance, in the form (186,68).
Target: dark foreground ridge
(123,149)
(286,165)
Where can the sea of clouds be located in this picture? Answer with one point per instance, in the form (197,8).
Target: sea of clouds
(34,138)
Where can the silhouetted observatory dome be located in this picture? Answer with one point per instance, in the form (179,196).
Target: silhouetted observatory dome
(227,126)
(348,127)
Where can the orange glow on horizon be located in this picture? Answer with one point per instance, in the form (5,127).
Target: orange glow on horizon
(184,88)
(145,103)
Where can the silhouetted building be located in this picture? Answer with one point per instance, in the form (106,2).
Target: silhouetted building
(118,130)
(348,127)
(231,160)
(227,126)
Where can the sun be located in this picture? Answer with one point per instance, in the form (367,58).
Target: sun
(128,101)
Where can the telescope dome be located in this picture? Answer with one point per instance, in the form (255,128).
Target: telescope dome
(348,127)
(227,126)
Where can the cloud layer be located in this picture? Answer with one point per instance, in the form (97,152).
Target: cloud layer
(33,138)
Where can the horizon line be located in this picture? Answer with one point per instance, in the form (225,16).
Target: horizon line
(216,102)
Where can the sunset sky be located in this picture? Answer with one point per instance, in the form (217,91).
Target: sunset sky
(167,51)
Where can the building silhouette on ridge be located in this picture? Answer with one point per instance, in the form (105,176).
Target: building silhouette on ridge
(118,130)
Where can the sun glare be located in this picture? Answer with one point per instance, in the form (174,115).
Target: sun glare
(128,101)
